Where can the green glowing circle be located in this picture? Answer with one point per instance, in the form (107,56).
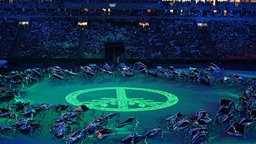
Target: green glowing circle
(122,101)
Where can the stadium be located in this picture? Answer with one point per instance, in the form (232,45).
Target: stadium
(128,71)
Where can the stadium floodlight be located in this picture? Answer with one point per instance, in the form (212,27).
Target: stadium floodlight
(23,23)
(144,24)
(86,9)
(202,24)
(82,23)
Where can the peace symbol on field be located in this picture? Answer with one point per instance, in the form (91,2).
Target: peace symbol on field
(122,101)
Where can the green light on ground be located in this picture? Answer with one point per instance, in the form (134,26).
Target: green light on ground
(229,94)
(121,100)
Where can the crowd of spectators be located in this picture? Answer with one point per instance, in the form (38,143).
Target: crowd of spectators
(173,39)
(58,8)
(8,35)
(48,39)
(87,1)
(222,3)
(162,39)
(233,39)
(219,39)
(99,32)
(119,13)
(117,1)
